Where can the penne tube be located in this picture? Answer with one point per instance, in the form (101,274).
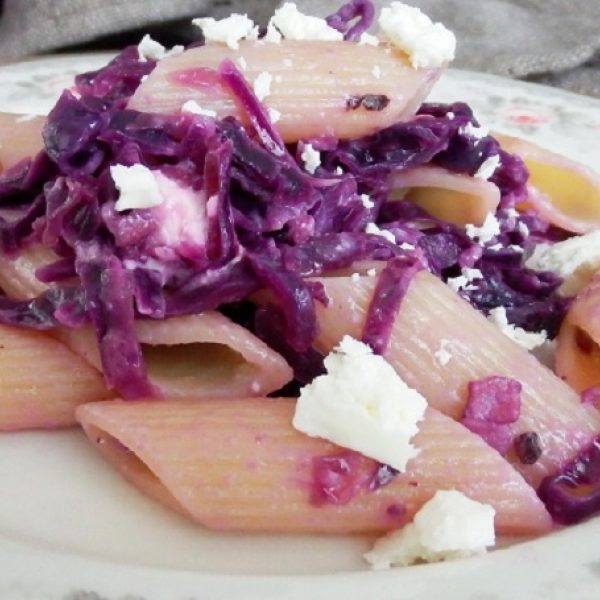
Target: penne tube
(563,191)
(318,88)
(240,465)
(20,137)
(452,197)
(42,381)
(17,273)
(195,356)
(432,317)
(577,357)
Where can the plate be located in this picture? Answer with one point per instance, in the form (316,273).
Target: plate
(71,529)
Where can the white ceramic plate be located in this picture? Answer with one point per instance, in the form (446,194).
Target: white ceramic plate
(71,529)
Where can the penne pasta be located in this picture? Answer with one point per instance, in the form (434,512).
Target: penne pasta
(564,192)
(452,197)
(431,316)
(42,381)
(262,478)
(203,355)
(577,357)
(21,137)
(312,85)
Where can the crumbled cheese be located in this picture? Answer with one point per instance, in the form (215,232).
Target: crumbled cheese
(495,247)
(406,246)
(516,248)
(339,171)
(137,187)
(576,260)
(229,31)
(274,115)
(443,355)
(242,63)
(366,39)
(192,107)
(427,44)
(476,132)
(366,201)
(355,277)
(287,62)
(272,36)
(376,71)
(362,404)
(149,49)
(463,281)
(488,167)
(448,526)
(294,25)
(450,116)
(262,85)
(253,34)
(523,229)
(512,213)
(489,230)
(311,158)
(384,233)
(528,339)
(372,272)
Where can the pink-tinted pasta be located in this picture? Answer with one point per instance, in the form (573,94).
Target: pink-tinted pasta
(432,315)
(42,381)
(577,355)
(25,135)
(311,85)
(239,465)
(452,197)
(563,191)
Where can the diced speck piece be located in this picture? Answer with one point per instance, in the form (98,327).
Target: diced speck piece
(528,447)
(338,478)
(494,399)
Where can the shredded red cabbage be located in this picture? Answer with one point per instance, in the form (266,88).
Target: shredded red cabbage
(270,224)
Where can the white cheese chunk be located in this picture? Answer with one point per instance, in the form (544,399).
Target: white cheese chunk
(311,158)
(262,85)
(366,39)
(576,260)
(294,25)
(229,31)
(274,115)
(443,354)
(489,230)
(488,167)
(149,49)
(384,233)
(362,404)
(272,36)
(476,132)
(448,526)
(192,107)
(427,44)
(137,186)
(464,281)
(527,339)
(372,272)
(376,71)
(366,201)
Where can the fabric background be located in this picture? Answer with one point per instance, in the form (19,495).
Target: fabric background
(549,41)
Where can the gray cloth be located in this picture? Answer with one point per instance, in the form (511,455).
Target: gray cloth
(550,41)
